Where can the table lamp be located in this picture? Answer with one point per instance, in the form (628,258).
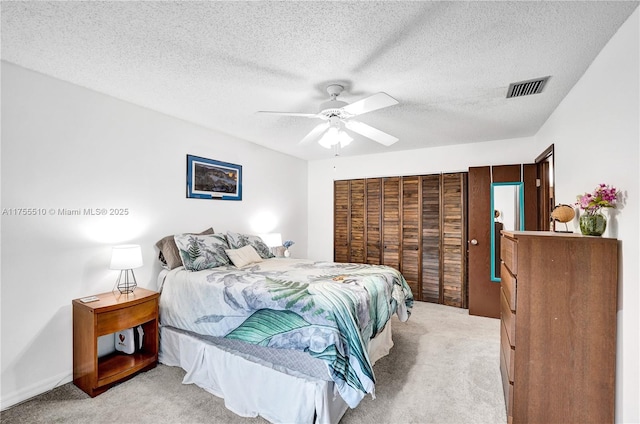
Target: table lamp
(125,258)
(273,241)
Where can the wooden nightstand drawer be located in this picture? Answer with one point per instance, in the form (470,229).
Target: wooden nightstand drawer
(110,322)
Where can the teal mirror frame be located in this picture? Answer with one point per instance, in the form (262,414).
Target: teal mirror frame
(520,212)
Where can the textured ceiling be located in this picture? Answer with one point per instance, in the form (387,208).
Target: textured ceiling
(216,64)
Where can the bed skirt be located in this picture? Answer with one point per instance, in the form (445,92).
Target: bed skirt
(252,386)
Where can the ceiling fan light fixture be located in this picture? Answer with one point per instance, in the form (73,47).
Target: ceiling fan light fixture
(344,139)
(334,136)
(329,138)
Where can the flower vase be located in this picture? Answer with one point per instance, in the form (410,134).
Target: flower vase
(286,253)
(593,224)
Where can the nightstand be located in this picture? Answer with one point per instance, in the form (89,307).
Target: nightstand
(112,312)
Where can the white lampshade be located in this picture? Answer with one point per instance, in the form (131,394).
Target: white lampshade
(329,138)
(335,136)
(272,239)
(126,256)
(344,139)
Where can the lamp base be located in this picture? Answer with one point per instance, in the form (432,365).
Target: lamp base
(124,283)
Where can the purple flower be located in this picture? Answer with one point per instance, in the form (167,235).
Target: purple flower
(603,196)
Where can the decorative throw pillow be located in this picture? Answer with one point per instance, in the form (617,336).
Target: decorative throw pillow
(243,256)
(169,254)
(200,252)
(237,240)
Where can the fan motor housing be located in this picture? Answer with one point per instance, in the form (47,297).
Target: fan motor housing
(332,107)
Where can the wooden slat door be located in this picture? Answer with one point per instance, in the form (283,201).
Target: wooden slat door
(341,221)
(357,221)
(431,252)
(454,240)
(415,224)
(391,222)
(373,242)
(411,229)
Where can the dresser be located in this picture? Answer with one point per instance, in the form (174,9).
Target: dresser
(558,302)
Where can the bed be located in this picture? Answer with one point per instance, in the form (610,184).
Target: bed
(291,340)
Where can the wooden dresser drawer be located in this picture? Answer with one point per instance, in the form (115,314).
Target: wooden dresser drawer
(508,352)
(509,285)
(509,254)
(507,386)
(508,319)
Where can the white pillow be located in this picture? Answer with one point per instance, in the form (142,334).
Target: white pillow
(243,256)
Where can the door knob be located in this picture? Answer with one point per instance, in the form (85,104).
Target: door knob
(474,242)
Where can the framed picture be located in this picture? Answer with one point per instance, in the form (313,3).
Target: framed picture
(212,179)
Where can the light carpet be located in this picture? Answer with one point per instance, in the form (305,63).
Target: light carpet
(444,368)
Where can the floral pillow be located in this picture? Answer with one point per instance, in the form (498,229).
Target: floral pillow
(200,252)
(237,241)
(169,254)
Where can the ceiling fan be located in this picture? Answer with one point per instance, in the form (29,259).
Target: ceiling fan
(338,116)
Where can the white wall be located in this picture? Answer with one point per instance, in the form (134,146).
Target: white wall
(457,158)
(596,131)
(64,146)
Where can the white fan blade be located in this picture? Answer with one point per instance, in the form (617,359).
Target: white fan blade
(370,132)
(315,133)
(304,115)
(371,103)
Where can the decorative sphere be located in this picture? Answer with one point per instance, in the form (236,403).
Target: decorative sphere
(563,213)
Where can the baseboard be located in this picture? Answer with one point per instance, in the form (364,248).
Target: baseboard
(34,390)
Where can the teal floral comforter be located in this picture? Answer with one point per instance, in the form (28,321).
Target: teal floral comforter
(329,310)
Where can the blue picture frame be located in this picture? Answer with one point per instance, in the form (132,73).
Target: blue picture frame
(213,179)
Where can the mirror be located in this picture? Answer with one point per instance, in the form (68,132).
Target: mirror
(507,206)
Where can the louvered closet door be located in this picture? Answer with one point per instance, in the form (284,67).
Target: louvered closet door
(415,224)
(357,222)
(391,222)
(341,221)
(410,256)
(374,213)
(431,268)
(454,239)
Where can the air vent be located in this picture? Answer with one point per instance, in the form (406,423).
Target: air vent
(526,88)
